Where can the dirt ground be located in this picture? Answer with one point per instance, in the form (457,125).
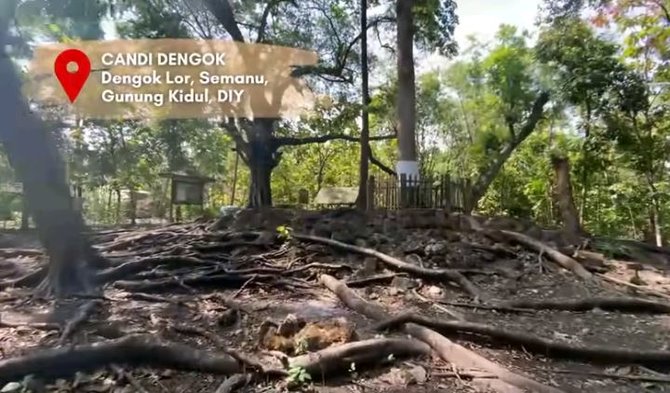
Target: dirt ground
(230,289)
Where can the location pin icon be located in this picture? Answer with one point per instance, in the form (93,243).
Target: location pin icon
(71,80)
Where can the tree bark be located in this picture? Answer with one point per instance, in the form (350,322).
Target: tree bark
(406,98)
(564,197)
(25,215)
(262,157)
(260,190)
(362,200)
(117,211)
(32,152)
(655,223)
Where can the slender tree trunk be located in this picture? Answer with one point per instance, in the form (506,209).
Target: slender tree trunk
(586,156)
(362,201)
(406,98)
(117,213)
(108,210)
(25,215)
(133,207)
(564,198)
(655,222)
(232,192)
(495,165)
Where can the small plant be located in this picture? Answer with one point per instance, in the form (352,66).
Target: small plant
(284,232)
(298,376)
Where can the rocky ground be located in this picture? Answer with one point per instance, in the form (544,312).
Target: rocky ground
(286,300)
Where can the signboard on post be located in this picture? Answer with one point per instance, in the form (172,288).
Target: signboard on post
(188,192)
(186,189)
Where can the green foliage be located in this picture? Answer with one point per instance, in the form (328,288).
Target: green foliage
(298,376)
(284,232)
(466,112)
(436,22)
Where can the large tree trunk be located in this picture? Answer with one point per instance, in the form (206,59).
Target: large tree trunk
(482,184)
(363,196)
(406,99)
(262,157)
(32,152)
(260,190)
(564,198)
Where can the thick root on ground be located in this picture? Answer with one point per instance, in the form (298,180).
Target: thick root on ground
(449,351)
(134,350)
(540,345)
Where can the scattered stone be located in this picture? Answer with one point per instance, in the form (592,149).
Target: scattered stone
(436,248)
(434,291)
(228,318)
(403,283)
(379,238)
(416,375)
(291,325)
(12,387)
(368,269)
(360,242)
(412,247)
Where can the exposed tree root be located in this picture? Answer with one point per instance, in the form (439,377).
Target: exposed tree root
(134,350)
(31,279)
(376,279)
(229,281)
(129,377)
(34,325)
(82,314)
(20,252)
(244,359)
(640,378)
(628,305)
(134,267)
(497,248)
(233,382)
(546,347)
(142,350)
(339,358)
(155,298)
(286,272)
(397,264)
(558,257)
(638,288)
(449,351)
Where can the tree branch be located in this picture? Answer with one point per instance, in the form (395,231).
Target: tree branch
(379,164)
(289,141)
(223,12)
(336,70)
(264,18)
(491,171)
(240,144)
(664,9)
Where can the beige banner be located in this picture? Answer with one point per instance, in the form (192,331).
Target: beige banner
(177,79)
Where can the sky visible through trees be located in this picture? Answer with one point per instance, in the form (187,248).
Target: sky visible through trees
(475,110)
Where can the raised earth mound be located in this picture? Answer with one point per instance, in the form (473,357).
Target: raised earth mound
(340,301)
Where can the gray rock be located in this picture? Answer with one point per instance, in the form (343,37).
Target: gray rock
(12,387)
(403,283)
(436,248)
